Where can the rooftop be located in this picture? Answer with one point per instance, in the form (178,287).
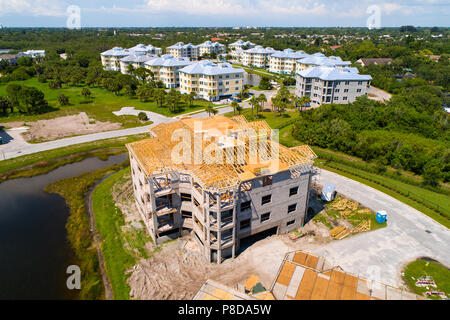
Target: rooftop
(260,50)
(138,57)
(206,67)
(223,139)
(290,54)
(116,51)
(333,74)
(321,60)
(168,60)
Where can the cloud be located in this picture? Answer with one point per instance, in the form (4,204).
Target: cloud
(53,8)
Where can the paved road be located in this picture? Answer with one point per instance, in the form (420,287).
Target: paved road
(409,235)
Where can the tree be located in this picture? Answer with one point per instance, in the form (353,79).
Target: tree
(432,174)
(130,69)
(210,110)
(63,100)
(5,104)
(85,92)
(160,96)
(265,84)
(235,106)
(142,116)
(255,104)
(192,96)
(31,100)
(262,99)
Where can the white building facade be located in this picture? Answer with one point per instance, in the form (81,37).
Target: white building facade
(166,69)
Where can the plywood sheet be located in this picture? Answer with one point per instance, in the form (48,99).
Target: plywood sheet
(286,273)
(306,285)
(362,296)
(311,261)
(349,289)
(300,258)
(320,289)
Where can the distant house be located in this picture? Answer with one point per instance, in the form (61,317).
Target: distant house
(32,53)
(434,57)
(368,61)
(335,47)
(10,58)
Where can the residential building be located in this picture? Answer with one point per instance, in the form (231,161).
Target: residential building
(10,58)
(368,61)
(166,68)
(318,60)
(208,48)
(257,56)
(284,62)
(331,85)
(32,54)
(146,49)
(211,81)
(137,60)
(241,45)
(111,58)
(184,50)
(226,189)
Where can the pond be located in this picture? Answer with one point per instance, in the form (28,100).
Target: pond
(34,252)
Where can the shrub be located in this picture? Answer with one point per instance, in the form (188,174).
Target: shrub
(63,100)
(142,116)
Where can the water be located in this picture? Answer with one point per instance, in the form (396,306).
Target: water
(34,252)
(252,79)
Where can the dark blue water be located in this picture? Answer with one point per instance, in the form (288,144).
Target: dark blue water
(34,252)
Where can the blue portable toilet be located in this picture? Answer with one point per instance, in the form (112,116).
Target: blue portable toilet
(328,192)
(381,216)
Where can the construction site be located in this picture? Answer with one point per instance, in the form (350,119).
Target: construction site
(226,180)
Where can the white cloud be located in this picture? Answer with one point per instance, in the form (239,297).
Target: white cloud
(33,7)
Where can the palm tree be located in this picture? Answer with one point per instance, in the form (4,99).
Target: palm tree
(254,103)
(235,106)
(210,109)
(192,96)
(130,69)
(305,100)
(262,99)
(239,109)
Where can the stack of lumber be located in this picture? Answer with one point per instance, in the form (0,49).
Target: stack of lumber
(339,232)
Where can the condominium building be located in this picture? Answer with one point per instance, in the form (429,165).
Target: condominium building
(226,190)
(146,49)
(166,69)
(137,60)
(331,85)
(241,45)
(184,50)
(208,48)
(257,56)
(320,60)
(211,81)
(111,58)
(284,62)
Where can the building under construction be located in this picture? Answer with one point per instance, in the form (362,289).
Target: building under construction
(222,178)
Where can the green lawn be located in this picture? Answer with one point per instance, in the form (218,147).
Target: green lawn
(100,106)
(109,220)
(418,268)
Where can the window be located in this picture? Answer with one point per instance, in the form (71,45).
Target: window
(267,181)
(292,207)
(245,224)
(345,90)
(293,191)
(266,199)
(290,222)
(344,98)
(186,214)
(185,197)
(245,205)
(337,90)
(265,216)
(347,82)
(359,82)
(358,90)
(336,98)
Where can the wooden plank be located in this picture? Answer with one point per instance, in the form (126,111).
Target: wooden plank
(335,285)
(286,273)
(300,258)
(349,289)
(338,277)
(311,261)
(362,296)
(306,286)
(320,289)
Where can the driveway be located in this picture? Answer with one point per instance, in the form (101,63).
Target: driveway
(381,254)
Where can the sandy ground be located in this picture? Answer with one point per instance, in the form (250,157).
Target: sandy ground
(377,94)
(179,270)
(46,130)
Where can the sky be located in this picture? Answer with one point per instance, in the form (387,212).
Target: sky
(224,13)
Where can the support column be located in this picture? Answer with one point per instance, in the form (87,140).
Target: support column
(307,199)
(219,231)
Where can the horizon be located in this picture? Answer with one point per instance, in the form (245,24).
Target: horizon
(223,14)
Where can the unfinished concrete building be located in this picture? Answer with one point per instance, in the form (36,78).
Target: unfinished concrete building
(236,190)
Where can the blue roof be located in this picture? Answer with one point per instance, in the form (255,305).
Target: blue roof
(334,73)
(181,45)
(168,60)
(290,54)
(260,50)
(242,43)
(324,61)
(207,44)
(208,68)
(116,51)
(143,48)
(138,57)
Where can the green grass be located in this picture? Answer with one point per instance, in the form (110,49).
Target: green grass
(416,269)
(109,220)
(74,191)
(100,106)
(46,161)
